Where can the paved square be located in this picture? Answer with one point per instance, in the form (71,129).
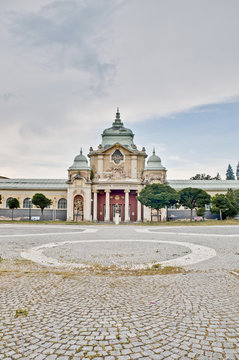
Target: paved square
(63,311)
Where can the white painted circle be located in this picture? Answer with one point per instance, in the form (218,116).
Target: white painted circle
(198,253)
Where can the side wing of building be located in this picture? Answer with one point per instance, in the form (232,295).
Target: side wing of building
(24,189)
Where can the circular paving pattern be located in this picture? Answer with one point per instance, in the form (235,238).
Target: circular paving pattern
(117,252)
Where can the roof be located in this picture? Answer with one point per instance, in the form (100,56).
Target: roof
(154,163)
(60,184)
(80,163)
(44,184)
(117,133)
(222,185)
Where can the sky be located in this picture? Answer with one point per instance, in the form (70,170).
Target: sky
(171,66)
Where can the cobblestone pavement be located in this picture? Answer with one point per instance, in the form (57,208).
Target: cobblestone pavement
(50,313)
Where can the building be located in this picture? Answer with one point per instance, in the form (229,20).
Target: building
(117,172)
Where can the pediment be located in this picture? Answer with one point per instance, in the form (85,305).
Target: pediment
(78,180)
(117,146)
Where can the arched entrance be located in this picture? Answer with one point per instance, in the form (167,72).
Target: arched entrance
(78,208)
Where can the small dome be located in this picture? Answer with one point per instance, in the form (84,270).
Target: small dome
(154,163)
(80,163)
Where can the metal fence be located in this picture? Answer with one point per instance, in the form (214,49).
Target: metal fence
(29,214)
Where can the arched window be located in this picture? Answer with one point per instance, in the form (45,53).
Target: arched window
(10,198)
(27,203)
(62,204)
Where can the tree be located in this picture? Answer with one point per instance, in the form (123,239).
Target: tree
(233,198)
(41,201)
(230,174)
(237,171)
(236,195)
(201,211)
(201,177)
(217,177)
(205,177)
(220,204)
(194,198)
(226,205)
(13,204)
(158,196)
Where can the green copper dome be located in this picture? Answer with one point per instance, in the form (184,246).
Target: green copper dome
(80,163)
(117,134)
(154,163)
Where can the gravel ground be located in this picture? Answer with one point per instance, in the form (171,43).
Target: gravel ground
(117,253)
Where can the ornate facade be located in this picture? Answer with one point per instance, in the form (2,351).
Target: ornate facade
(116,174)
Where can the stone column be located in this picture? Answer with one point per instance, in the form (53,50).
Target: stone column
(126,208)
(95,206)
(107,205)
(139,206)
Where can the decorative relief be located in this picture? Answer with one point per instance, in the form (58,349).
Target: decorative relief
(115,173)
(78,205)
(78,192)
(78,182)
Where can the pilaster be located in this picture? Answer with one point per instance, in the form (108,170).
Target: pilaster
(87,207)
(100,165)
(147,214)
(69,205)
(134,167)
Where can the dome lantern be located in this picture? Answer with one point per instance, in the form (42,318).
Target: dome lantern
(117,134)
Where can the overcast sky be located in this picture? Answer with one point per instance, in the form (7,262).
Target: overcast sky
(172,66)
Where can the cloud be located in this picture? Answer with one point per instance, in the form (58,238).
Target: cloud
(6,96)
(184,57)
(68,35)
(70,63)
